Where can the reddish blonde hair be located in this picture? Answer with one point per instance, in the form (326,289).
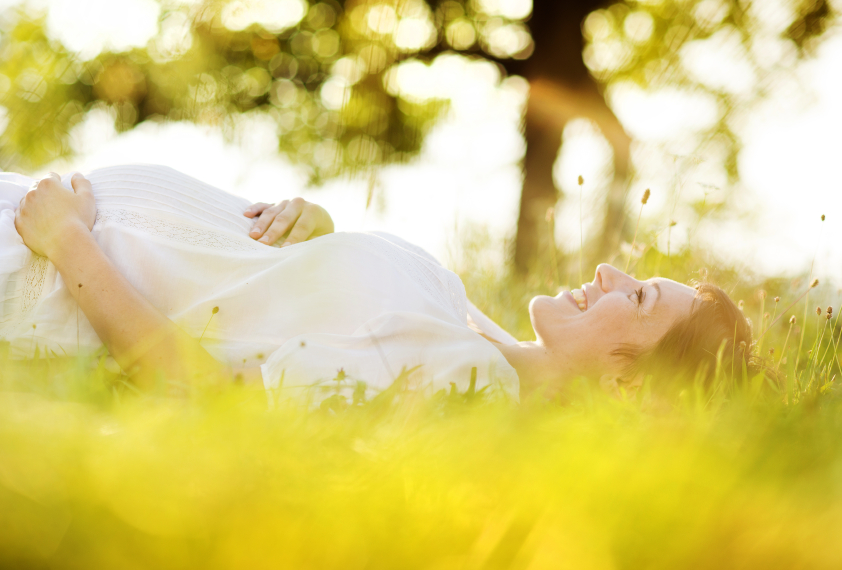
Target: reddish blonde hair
(691,345)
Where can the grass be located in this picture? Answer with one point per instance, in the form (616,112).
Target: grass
(95,475)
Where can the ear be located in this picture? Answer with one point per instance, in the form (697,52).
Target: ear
(610,383)
(619,387)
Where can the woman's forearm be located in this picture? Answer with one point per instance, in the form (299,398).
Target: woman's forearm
(137,335)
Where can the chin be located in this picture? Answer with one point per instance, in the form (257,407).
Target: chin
(542,310)
(537,304)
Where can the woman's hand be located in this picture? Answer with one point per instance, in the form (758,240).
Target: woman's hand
(299,218)
(50,214)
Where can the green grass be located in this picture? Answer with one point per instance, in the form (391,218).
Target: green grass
(94,475)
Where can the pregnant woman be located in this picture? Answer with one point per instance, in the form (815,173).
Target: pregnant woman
(179,279)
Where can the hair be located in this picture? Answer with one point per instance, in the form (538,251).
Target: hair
(715,333)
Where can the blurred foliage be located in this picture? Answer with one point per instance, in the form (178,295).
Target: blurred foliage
(661,43)
(324,72)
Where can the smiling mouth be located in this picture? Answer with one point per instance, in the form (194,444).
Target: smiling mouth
(581,299)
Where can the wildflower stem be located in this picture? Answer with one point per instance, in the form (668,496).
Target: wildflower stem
(581,229)
(830,342)
(836,342)
(807,301)
(783,350)
(631,252)
(77,321)
(814,360)
(804,328)
(774,315)
(553,249)
(813,284)
(213,312)
(636,228)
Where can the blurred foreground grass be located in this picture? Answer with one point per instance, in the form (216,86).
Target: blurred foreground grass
(93,475)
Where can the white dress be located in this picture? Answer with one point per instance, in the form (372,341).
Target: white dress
(332,312)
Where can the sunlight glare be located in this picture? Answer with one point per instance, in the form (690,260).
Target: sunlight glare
(511,9)
(382,19)
(335,93)
(414,34)
(709,13)
(598,25)
(720,62)
(663,114)
(508,40)
(461,34)
(639,26)
(89,26)
(584,152)
(174,39)
(275,15)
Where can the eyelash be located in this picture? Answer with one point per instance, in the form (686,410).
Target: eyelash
(640,296)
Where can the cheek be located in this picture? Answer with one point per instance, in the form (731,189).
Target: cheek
(607,329)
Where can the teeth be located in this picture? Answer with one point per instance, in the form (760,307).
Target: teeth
(579,297)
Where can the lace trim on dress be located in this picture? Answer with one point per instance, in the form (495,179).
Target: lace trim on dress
(36,273)
(31,288)
(180,232)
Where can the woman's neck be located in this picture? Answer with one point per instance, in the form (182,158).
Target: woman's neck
(535,365)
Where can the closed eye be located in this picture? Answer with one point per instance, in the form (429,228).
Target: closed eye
(640,296)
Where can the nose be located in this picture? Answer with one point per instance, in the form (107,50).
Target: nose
(610,278)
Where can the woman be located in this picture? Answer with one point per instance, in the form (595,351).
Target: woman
(177,278)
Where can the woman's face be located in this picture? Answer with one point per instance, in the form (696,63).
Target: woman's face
(581,328)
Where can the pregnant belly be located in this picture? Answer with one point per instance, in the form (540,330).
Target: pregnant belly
(159,190)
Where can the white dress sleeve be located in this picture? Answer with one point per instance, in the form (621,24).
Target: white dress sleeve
(14,255)
(489,328)
(425,352)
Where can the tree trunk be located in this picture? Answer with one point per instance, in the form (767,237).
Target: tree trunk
(550,106)
(561,89)
(539,191)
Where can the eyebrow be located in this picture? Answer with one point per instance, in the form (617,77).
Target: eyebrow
(657,288)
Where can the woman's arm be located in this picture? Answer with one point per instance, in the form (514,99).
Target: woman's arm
(56,223)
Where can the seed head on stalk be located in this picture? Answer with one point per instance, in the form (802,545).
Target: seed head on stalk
(643,201)
(77,319)
(581,228)
(783,350)
(813,284)
(214,311)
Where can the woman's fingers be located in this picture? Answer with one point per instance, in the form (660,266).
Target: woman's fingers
(86,203)
(80,184)
(303,227)
(297,218)
(256,209)
(284,220)
(267,216)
